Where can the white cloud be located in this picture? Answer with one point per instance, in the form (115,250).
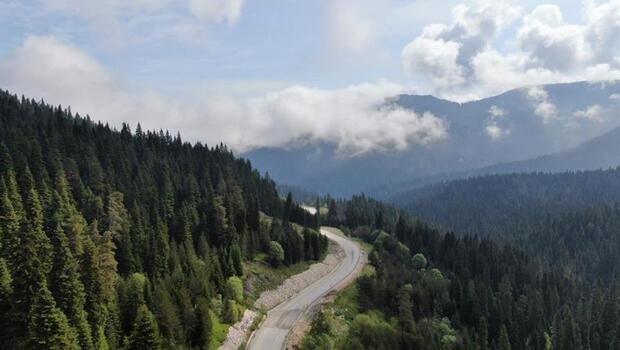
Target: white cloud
(493,129)
(614,97)
(442,54)
(434,59)
(352,24)
(496,112)
(46,68)
(495,132)
(217,10)
(545,49)
(354,118)
(543,107)
(593,113)
(114,20)
(549,42)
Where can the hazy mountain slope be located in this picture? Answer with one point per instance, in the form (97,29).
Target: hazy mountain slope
(519,124)
(602,152)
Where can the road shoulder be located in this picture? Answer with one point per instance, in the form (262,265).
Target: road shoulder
(240,332)
(302,326)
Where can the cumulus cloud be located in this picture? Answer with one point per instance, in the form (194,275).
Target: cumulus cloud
(493,128)
(435,60)
(550,42)
(593,113)
(495,132)
(543,107)
(496,112)
(614,97)
(474,56)
(354,118)
(442,54)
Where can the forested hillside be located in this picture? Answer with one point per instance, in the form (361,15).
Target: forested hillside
(569,219)
(112,239)
(433,290)
(510,206)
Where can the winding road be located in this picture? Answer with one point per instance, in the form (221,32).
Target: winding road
(273,332)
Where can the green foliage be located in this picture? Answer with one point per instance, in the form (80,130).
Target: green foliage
(419,261)
(6,291)
(145,333)
(48,327)
(370,331)
(482,295)
(437,334)
(320,335)
(203,331)
(276,253)
(109,221)
(235,288)
(504,341)
(67,288)
(231,312)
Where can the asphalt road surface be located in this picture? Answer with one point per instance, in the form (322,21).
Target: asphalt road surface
(281,319)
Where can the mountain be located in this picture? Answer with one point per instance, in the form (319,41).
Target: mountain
(598,153)
(520,124)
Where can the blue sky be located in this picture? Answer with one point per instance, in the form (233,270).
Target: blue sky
(271,44)
(183,64)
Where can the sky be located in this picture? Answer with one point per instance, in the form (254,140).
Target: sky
(279,73)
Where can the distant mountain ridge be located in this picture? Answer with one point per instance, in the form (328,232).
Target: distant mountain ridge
(602,152)
(497,130)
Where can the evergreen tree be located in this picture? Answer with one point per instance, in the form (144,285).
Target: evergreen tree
(483,334)
(67,288)
(504,340)
(61,174)
(317,207)
(145,334)
(6,297)
(203,331)
(48,327)
(29,263)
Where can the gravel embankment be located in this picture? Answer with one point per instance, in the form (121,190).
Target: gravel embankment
(295,284)
(237,334)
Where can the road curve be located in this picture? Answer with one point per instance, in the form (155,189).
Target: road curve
(280,320)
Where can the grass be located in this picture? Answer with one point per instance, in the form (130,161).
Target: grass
(220,331)
(346,303)
(263,276)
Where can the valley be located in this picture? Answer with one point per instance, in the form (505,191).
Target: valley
(310,175)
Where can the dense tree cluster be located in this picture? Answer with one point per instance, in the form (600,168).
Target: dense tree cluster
(571,220)
(440,291)
(509,207)
(112,239)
